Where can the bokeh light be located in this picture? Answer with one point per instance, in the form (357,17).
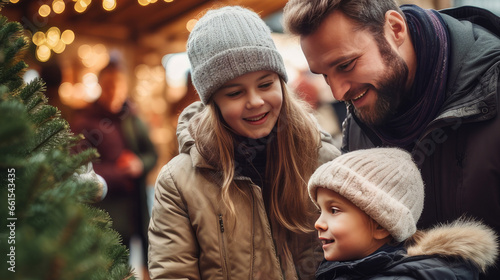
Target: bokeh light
(39,38)
(58,6)
(43,53)
(44,10)
(68,36)
(108,5)
(190,24)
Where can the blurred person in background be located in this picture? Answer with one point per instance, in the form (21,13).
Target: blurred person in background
(127,154)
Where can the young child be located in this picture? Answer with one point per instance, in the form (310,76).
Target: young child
(370,202)
(234,204)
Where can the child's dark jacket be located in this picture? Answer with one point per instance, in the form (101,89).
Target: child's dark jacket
(459,251)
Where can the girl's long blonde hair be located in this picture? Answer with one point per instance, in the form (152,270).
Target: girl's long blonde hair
(291,159)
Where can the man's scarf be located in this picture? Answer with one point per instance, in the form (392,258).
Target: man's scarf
(430,40)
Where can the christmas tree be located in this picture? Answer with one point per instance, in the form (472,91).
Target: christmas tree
(50,228)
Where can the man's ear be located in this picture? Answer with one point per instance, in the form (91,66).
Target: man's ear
(379,232)
(395,27)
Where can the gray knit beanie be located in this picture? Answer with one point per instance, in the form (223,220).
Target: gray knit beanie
(227,43)
(385,183)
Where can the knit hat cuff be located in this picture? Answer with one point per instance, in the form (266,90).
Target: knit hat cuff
(232,63)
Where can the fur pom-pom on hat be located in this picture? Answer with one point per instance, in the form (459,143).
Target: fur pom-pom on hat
(385,183)
(227,43)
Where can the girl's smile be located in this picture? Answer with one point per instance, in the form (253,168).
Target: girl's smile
(257,119)
(250,104)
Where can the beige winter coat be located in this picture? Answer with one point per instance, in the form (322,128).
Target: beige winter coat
(190,237)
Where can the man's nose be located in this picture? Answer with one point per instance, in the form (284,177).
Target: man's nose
(339,87)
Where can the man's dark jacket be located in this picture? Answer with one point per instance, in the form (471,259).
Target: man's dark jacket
(459,152)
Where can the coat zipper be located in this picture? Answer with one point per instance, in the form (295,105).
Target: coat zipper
(250,275)
(221,223)
(224,264)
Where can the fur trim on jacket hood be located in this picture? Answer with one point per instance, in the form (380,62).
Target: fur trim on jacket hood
(464,238)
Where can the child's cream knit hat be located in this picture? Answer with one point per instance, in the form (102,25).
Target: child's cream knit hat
(385,183)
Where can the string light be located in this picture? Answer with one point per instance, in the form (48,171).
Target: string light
(143,2)
(81,5)
(52,40)
(39,38)
(79,8)
(108,5)
(53,36)
(190,24)
(59,47)
(68,36)
(44,10)
(147,2)
(84,51)
(93,56)
(58,6)
(43,53)
(56,41)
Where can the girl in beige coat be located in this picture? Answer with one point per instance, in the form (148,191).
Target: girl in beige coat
(234,204)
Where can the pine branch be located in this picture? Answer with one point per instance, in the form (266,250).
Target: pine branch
(15,70)
(51,134)
(32,94)
(30,90)
(10,55)
(43,114)
(14,132)
(58,234)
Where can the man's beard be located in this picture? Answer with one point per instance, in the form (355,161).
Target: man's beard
(390,90)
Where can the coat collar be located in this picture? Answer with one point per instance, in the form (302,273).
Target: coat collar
(370,265)
(466,240)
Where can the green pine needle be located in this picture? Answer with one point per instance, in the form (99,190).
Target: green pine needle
(59,234)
